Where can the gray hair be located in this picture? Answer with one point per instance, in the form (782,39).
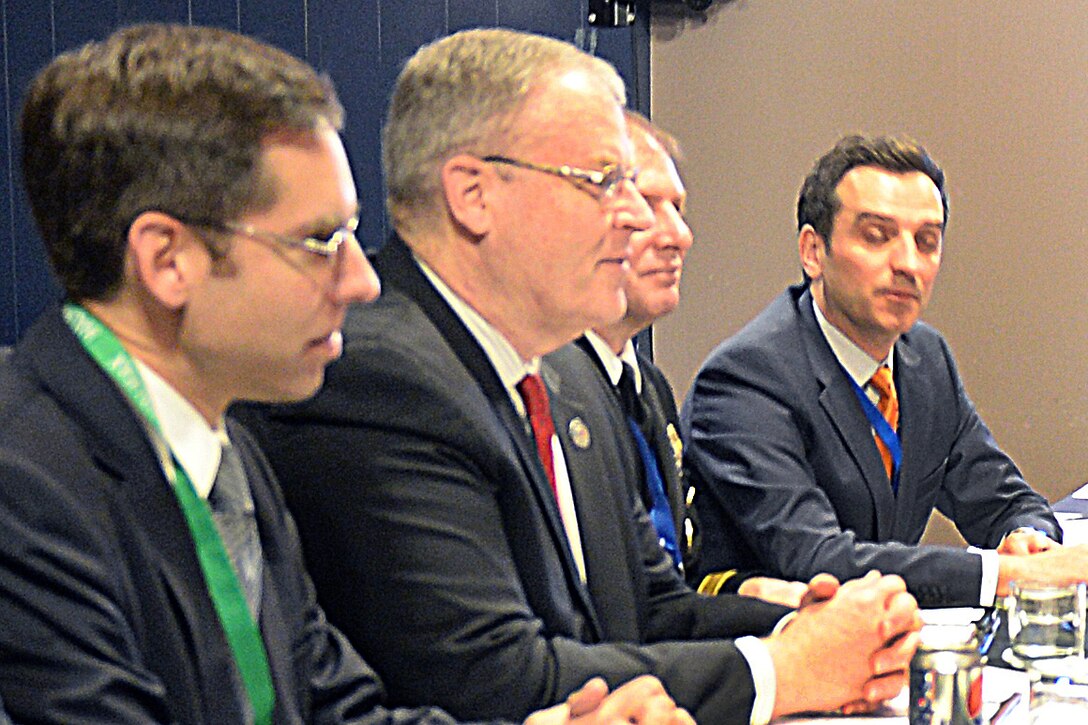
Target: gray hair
(461,94)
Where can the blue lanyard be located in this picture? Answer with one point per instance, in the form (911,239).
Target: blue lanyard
(880,424)
(660,510)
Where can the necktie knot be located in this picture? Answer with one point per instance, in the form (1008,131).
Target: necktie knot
(632,403)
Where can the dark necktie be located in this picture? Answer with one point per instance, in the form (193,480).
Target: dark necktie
(642,431)
(888,405)
(232,508)
(535,396)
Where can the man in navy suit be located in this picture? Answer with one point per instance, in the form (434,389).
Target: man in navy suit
(652,288)
(474,500)
(806,461)
(197,205)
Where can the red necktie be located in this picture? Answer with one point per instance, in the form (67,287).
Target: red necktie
(532,391)
(888,405)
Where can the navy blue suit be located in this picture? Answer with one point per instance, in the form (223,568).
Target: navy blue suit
(788,477)
(104,615)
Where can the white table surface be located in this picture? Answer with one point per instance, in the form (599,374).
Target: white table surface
(997,683)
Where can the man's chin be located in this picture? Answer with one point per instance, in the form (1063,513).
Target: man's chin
(613,312)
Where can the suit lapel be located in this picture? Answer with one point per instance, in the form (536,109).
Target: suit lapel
(664,451)
(599,534)
(660,438)
(915,403)
(276,630)
(399,270)
(123,452)
(839,401)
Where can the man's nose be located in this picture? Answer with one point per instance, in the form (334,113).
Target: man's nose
(356,280)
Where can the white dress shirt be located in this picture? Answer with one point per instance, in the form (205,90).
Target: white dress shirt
(195,444)
(511,369)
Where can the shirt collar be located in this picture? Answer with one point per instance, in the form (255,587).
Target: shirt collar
(853,359)
(504,358)
(613,363)
(195,444)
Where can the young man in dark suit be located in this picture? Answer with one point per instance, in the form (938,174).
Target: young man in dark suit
(197,205)
(649,408)
(805,463)
(497,554)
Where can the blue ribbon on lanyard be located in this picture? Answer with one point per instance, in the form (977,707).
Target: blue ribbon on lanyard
(880,424)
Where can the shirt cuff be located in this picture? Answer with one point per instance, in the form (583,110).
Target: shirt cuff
(763,678)
(987,591)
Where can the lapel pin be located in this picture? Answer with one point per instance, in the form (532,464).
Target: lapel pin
(677,446)
(579,433)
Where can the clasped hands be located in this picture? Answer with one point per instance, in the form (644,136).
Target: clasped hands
(643,700)
(848,647)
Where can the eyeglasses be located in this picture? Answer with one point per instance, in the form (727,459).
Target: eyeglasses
(606,182)
(325,247)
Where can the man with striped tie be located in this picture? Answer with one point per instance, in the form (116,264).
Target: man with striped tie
(822,436)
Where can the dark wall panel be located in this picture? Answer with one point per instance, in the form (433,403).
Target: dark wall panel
(140,11)
(30,31)
(345,43)
(360,44)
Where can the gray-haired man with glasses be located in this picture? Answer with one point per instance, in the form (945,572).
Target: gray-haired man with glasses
(467,514)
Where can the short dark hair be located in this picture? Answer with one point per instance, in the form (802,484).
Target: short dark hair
(818,202)
(156,117)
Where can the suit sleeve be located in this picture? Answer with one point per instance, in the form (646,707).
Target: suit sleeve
(70,641)
(751,451)
(984,492)
(407,505)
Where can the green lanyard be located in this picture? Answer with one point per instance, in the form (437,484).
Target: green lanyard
(230,604)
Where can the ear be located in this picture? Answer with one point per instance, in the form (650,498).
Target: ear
(165,257)
(812,250)
(465,181)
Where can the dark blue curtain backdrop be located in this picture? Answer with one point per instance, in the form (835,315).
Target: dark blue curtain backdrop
(361,44)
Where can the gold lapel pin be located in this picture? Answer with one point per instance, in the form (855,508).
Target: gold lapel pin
(579,433)
(677,446)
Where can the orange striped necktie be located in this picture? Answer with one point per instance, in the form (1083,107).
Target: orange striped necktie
(888,405)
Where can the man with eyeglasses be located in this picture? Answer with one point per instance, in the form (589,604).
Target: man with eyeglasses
(198,208)
(469,517)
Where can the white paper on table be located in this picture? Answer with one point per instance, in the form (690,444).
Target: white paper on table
(1081,492)
(1075,531)
(951,615)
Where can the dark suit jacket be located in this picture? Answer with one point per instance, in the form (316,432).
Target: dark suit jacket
(789,477)
(104,615)
(436,544)
(657,398)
